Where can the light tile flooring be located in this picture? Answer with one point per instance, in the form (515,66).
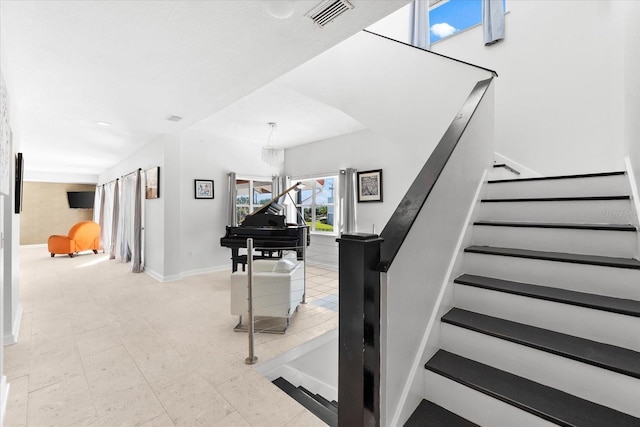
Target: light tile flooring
(100,346)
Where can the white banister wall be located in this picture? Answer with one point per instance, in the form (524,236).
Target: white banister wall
(405,98)
(415,290)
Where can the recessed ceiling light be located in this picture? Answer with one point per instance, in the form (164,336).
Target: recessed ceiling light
(281,9)
(103,123)
(173,118)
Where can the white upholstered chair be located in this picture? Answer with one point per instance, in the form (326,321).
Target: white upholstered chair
(278,286)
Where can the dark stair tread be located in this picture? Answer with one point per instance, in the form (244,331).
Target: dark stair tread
(321,400)
(631,263)
(428,414)
(546,402)
(557,199)
(334,403)
(572,226)
(554,177)
(330,417)
(599,302)
(507,167)
(617,359)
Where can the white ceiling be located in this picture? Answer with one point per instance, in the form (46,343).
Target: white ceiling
(71,64)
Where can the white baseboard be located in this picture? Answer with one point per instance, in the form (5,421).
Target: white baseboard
(4,398)
(172,278)
(15,331)
(206,270)
(160,278)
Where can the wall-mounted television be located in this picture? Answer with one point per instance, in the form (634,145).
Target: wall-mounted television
(19,182)
(81,199)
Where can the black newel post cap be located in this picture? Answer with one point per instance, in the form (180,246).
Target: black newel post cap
(359,237)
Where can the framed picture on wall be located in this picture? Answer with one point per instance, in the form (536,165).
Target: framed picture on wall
(370,186)
(152,188)
(203,188)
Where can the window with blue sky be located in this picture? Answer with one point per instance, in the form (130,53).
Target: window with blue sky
(448,17)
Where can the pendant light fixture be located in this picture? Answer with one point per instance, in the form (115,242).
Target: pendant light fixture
(271,155)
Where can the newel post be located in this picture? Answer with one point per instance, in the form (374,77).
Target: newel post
(359,330)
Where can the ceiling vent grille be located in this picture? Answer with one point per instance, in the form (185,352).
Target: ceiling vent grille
(327,11)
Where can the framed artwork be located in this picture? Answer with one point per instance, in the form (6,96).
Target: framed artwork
(370,186)
(152,188)
(203,188)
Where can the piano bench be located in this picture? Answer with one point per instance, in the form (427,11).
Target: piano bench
(242,259)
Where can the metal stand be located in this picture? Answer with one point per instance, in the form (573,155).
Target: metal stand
(304,264)
(252,358)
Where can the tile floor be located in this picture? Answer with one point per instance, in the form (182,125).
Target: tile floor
(100,346)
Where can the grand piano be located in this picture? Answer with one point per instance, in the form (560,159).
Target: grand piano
(269,231)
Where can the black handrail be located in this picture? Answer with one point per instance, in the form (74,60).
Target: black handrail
(495,73)
(400,223)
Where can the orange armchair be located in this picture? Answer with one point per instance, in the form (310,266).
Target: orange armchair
(83,236)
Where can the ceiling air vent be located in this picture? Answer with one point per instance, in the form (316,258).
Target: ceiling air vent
(327,11)
(173,118)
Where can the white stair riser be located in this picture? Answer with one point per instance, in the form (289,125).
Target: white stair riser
(595,325)
(617,391)
(475,406)
(617,185)
(591,242)
(591,211)
(594,279)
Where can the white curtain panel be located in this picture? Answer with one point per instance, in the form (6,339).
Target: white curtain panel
(420,24)
(105,233)
(347,190)
(98,212)
(126,220)
(115,209)
(96,204)
(492,21)
(136,258)
(231,216)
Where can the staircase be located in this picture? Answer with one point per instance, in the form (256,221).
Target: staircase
(545,328)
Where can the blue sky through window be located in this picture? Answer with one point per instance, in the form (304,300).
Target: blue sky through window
(453,16)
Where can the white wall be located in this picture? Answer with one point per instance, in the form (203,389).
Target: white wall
(627,18)
(206,156)
(557,106)
(389,88)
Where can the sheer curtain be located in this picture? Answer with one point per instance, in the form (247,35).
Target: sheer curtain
(107,221)
(126,221)
(98,212)
(348,191)
(123,219)
(492,21)
(278,184)
(137,261)
(115,209)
